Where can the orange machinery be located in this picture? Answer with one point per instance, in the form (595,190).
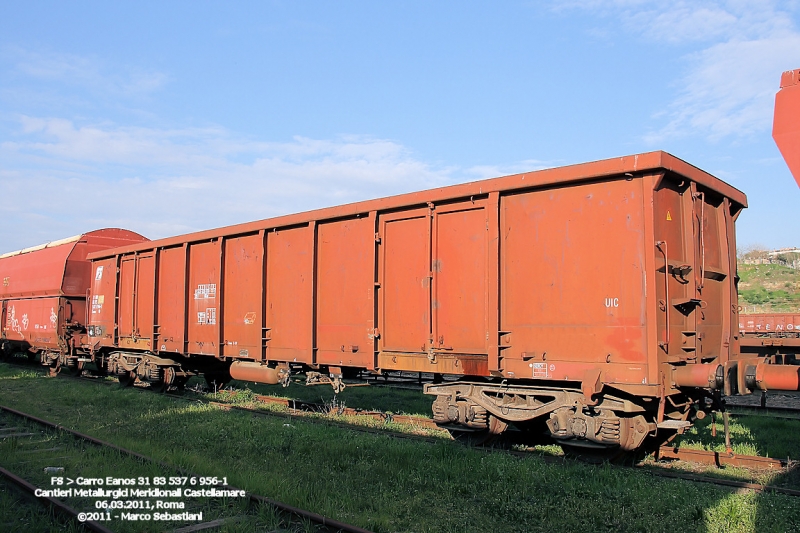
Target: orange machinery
(786,125)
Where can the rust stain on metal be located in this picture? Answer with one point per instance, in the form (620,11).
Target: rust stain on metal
(718,458)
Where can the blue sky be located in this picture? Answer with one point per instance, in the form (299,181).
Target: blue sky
(169,117)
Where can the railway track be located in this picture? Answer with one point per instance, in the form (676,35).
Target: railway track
(664,457)
(664,454)
(30,432)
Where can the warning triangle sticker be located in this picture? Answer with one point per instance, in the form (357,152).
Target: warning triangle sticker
(669,216)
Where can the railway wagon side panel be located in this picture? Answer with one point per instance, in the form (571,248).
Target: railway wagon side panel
(433,276)
(404,315)
(38,321)
(290,294)
(242,297)
(171,299)
(459,282)
(136,301)
(345,292)
(205,262)
(573,285)
(126,298)
(102,308)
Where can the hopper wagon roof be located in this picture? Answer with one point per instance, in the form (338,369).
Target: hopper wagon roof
(57,268)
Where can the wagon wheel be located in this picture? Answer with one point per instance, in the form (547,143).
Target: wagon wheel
(126,379)
(480,437)
(72,370)
(167,382)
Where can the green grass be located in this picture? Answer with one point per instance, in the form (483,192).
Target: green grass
(397,401)
(769,288)
(77,459)
(387,484)
(18,513)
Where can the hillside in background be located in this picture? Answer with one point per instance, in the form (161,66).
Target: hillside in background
(769,282)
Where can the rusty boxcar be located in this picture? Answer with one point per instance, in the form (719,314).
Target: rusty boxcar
(598,298)
(770,335)
(43,296)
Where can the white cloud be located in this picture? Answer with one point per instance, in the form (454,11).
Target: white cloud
(88,73)
(73,178)
(730,88)
(731,77)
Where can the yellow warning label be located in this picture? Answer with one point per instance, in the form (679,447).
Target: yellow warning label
(669,217)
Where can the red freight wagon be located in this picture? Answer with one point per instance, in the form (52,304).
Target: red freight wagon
(773,335)
(43,295)
(770,325)
(598,297)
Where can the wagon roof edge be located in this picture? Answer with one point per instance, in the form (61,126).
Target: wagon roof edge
(648,161)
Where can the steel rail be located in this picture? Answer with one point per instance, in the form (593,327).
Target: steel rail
(718,458)
(665,452)
(778,412)
(59,506)
(314,517)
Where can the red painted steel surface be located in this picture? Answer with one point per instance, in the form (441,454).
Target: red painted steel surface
(172,298)
(290,290)
(36,321)
(777,377)
(103,308)
(204,298)
(44,288)
(241,305)
(345,282)
(786,125)
(600,272)
(58,268)
(405,282)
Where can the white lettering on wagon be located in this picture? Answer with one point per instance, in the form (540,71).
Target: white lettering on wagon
(98,275)
(12,323)
(205,291)
(612,302)
(209,316)
(97,303)
(539,370)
